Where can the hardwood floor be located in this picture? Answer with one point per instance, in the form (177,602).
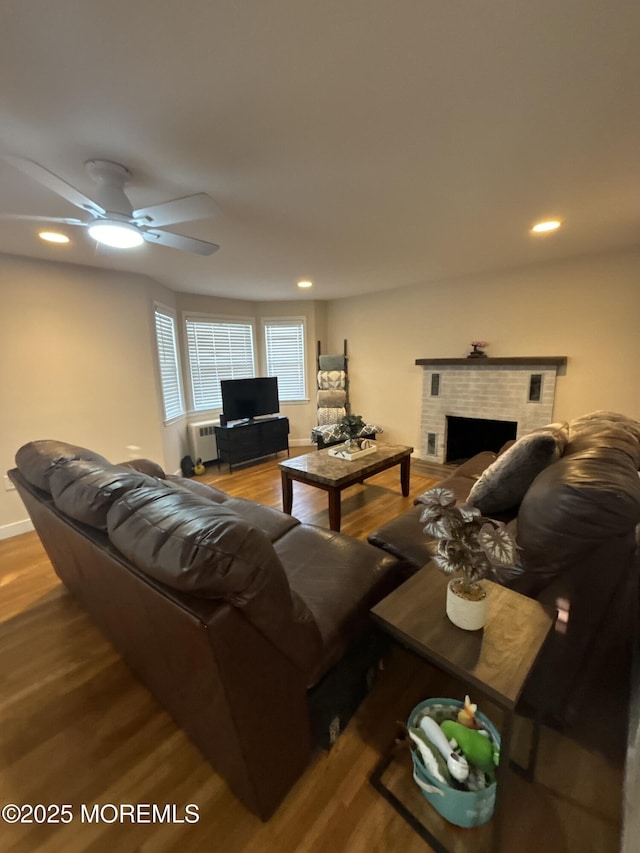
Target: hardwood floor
(78,728)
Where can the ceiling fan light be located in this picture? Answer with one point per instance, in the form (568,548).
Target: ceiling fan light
(118,235)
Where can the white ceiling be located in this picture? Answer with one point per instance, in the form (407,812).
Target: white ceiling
(365,144)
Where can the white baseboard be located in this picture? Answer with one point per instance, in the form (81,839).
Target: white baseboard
(15,529)
(301,442)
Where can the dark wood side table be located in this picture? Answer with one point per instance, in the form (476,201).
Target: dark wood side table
(327,472)
(494,662)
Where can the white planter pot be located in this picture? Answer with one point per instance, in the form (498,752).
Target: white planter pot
(466,614)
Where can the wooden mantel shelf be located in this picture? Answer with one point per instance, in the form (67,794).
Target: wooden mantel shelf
(517,361)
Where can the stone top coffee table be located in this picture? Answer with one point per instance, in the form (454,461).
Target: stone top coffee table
(333,474)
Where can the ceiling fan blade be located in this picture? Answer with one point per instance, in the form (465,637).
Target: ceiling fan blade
(177,241)
(187,209)
(53,182)
(62,220)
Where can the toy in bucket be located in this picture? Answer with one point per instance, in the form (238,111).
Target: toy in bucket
(456,750)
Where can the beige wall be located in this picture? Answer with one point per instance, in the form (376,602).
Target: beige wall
(587,309)
(77,350)
(76,363)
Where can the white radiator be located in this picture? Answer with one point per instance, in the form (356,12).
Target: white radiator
(202,440)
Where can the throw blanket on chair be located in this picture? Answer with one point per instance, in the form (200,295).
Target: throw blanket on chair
(333,432)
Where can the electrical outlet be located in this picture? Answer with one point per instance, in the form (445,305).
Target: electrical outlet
(8,485)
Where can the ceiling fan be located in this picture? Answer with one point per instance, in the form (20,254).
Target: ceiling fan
(113,221)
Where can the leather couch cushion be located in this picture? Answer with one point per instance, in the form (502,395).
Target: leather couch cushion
(272,521)
(505,482)
(197,488)
(204,548)
(597,422)
(339,579)
(403,538)
(36,459)
(194,545)
(146,466)
(589,497)
(84,490)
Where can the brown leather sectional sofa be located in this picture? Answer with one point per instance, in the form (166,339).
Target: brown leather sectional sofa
(577,527)
(251,628)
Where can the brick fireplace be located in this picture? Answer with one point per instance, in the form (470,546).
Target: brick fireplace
(518,390)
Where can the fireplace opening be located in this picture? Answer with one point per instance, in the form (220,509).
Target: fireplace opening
(468,436)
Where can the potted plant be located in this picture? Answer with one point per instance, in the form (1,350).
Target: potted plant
(470,546)
(352,425)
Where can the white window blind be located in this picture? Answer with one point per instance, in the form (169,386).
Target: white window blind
(217,350)
(169,368)
(284,343)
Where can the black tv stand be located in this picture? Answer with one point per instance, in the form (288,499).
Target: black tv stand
(259,419)
(246,440)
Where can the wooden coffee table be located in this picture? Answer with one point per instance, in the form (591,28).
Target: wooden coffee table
(333,475)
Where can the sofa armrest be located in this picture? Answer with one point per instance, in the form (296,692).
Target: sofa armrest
(403,536)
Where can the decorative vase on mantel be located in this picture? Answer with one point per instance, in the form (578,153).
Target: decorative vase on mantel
(478,351)
(467,606)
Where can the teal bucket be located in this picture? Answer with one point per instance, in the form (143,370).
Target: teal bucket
(462,808)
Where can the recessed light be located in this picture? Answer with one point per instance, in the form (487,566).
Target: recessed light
(545,227)
(305,284)
(53,237)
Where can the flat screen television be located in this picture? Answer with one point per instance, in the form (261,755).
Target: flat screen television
(245,399)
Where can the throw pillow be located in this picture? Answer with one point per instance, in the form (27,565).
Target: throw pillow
(505,482)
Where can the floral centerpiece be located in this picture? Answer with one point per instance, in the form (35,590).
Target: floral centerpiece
(469,545)
(352,425)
